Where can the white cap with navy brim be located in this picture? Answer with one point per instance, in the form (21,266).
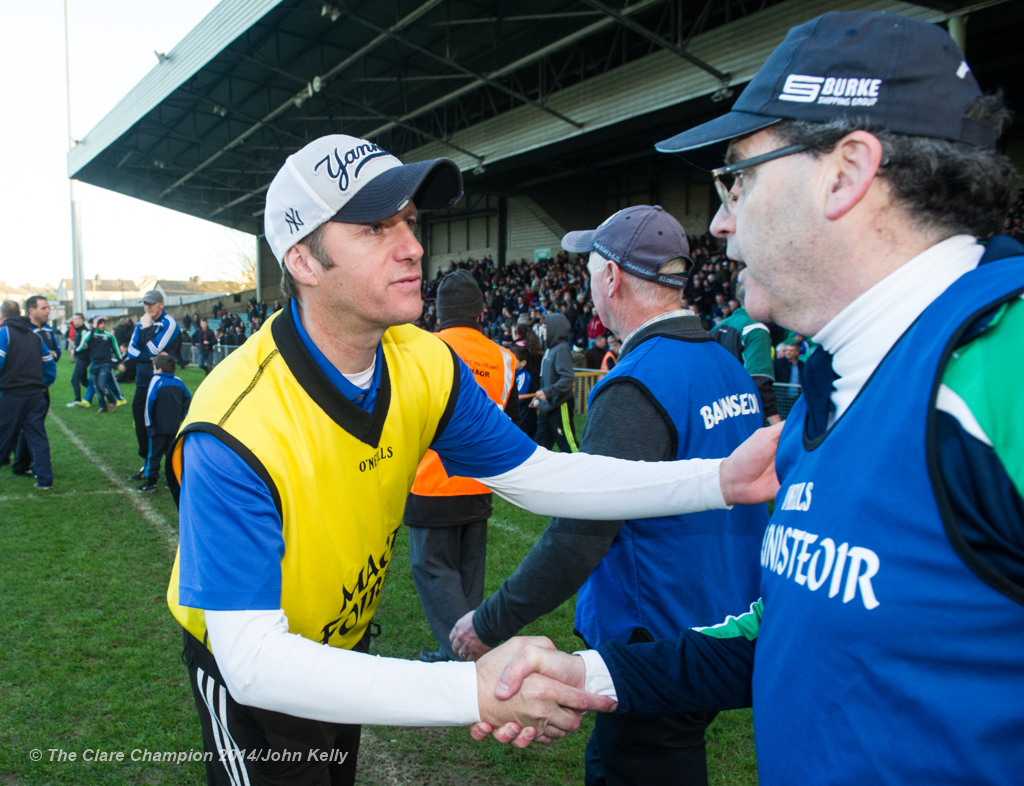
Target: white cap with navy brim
(343,178)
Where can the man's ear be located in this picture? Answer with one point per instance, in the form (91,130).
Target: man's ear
(303,266)
(613,278)
(854,163)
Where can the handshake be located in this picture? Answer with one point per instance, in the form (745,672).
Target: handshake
(529,691)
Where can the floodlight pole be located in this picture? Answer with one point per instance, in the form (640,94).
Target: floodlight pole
(77,273)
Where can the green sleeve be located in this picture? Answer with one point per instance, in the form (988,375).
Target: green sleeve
(988,378)
(757,351)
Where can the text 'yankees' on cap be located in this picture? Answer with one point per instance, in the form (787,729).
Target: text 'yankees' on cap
(343,178)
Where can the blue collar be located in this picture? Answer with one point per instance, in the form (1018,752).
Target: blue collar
(362,398)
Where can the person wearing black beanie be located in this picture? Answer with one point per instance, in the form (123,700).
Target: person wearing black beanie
(447,517)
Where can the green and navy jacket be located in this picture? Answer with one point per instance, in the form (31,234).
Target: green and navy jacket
(888,642)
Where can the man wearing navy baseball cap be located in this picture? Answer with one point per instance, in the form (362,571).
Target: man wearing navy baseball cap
(291,474)
(887,644)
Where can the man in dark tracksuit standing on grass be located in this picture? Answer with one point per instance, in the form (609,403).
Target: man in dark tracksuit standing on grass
(27,369)
(38,309)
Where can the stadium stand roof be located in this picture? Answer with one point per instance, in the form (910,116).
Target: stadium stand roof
(518,93)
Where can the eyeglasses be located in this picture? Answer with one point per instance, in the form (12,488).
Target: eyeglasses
(729,178)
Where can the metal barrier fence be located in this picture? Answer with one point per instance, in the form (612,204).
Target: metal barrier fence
(584,382)
(191,355)
(785,394)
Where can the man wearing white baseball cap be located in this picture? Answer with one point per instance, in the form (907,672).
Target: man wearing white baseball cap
(292,470)
(887,645)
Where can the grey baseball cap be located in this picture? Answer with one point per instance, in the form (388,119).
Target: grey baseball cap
(638,239)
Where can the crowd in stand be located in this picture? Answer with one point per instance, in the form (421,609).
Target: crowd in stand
(522,292)
(233,328)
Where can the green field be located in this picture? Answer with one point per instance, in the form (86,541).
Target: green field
(93,688)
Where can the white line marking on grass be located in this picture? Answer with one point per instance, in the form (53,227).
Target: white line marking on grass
(32,493)
(508,526)
(141,504)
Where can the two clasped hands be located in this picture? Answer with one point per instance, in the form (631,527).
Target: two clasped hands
(528,690)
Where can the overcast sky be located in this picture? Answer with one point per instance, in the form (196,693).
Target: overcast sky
(112,45)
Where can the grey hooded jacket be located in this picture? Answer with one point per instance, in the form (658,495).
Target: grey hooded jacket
(556,374)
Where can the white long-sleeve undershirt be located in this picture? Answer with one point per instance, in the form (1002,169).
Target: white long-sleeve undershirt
(265,665)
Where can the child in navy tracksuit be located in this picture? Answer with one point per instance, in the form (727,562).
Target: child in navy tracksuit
(166,406)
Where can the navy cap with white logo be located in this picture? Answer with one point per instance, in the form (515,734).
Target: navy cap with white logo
(343,178)
(900,74)
(640,240)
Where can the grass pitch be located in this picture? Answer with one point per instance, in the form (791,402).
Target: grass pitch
(94,691)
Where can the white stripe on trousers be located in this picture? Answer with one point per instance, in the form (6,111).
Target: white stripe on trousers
(230,756)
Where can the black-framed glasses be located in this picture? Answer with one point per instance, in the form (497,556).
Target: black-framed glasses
(729,178)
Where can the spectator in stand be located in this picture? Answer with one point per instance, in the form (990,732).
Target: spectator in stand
(167,402)
(788,365)
(720,310)
(595,328)
(611,357)
(205,340)
(595,355)
(580,326)
(804,348)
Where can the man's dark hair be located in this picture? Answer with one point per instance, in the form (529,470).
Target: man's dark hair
(10,308)
(164,363)
(314,241)
(33,301)
(950,186)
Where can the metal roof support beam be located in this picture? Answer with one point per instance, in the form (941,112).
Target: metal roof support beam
(533,57)
(290,103)
(480,78)
(657,40)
